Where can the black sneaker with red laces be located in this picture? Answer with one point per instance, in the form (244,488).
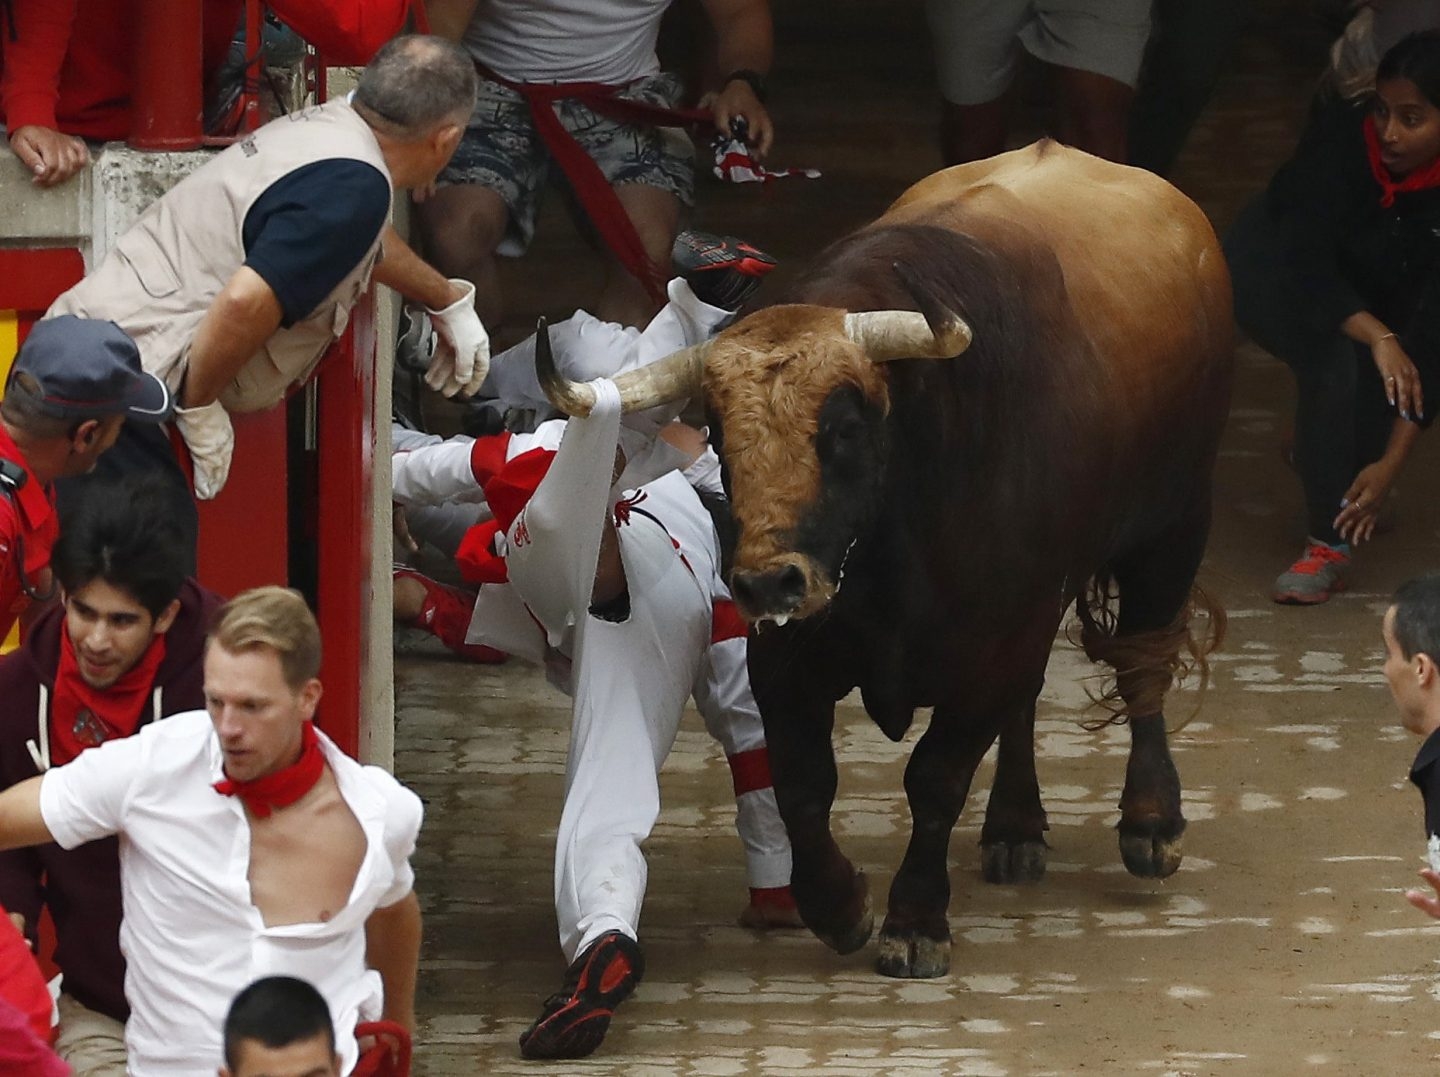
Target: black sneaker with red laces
(574,1022)
(721,270)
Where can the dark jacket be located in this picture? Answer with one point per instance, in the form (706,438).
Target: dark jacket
(1349,253)
(82,887)
(1425,773)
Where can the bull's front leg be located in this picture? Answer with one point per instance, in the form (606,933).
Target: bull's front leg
(915,940)
(831,895)
(1012,842)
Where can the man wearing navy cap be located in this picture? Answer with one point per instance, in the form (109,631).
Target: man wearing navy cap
(72,386)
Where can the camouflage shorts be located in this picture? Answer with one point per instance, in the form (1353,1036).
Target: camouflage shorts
(501,150)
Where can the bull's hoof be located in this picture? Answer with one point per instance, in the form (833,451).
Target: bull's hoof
(912,957)
(1150,855)
(1023,862)
(846,939)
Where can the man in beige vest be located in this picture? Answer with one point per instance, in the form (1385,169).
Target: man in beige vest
(235,283)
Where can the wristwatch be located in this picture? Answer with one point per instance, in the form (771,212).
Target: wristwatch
(755,80)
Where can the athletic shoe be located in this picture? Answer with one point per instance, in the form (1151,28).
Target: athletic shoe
(721,270)
(1318,574)
(574,1022)
(445,614)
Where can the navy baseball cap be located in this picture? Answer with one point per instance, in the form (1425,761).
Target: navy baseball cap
(84,368)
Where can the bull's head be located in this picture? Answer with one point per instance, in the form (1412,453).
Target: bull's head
(799,396)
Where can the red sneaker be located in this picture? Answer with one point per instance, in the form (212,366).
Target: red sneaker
(446,616)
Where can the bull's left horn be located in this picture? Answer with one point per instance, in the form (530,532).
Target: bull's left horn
(676,376)
(938,333)
(571,397)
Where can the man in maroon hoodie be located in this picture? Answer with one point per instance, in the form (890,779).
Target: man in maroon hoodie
(125,649)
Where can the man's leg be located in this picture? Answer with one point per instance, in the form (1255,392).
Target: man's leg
(631,679)
(652,172)
(486,196)
(975,60)
(92,1043)
(461,227)
(656,217)
(1189,45)
(1095,47)
(1094,113)
(725,702)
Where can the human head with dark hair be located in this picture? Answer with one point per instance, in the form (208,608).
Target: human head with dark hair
(417,94)
(1415,57)
(120,564)
(1411,631)
(1407,103)
(279,1026)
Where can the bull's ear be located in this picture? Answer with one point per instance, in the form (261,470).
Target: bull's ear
(949,329)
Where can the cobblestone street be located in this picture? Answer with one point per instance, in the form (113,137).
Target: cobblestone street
(1283,945)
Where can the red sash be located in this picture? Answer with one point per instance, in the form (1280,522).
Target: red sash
(591,187)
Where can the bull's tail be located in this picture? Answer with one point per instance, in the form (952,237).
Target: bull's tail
(1146,664)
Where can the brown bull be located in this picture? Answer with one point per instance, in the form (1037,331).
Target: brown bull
(918,527)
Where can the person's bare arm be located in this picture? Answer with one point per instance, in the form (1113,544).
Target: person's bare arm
(410,275)
(392,948)
(448,18)
(241,319)
(21,823)
(745,41)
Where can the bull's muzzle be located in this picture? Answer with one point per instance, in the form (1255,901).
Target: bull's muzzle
(774,594)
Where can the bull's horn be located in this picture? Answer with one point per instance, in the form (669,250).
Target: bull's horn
(676,376)
(938,333)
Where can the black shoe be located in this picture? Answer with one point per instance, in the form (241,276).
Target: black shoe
(574,1022)
(721,270)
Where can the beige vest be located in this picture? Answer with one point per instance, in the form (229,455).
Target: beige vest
(166,270)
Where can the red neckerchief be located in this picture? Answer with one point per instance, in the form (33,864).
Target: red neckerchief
(82,717)
(286,785)
(1419,179)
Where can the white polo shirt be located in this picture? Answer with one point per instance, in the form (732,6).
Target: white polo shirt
(190,934)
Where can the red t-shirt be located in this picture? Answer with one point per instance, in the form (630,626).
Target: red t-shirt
(67,65)
(27,518)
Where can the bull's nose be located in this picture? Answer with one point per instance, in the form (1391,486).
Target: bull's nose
(762,594)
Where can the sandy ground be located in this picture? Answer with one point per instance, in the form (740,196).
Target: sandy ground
(1282,945)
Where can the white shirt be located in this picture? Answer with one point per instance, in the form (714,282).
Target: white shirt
(609,41)
(191,935)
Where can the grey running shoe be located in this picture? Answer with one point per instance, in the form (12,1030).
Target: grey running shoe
(1319,573)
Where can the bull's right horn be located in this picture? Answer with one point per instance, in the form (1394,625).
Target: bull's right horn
(676,376)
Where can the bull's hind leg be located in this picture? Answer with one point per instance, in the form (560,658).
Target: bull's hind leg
(1012,842)
(915,940)
(1155,585)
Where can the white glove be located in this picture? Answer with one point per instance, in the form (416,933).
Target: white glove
(462,356)
(211,441)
